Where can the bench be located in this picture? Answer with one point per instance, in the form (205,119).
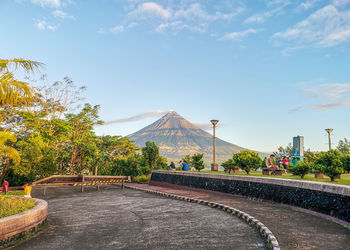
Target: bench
(274,171)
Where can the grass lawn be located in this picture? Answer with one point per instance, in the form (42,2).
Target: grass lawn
(10,205)
(344,180)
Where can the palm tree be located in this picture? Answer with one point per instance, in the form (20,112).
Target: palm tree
(7,153)
(12,91)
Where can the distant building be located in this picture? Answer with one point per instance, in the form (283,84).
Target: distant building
(298,146)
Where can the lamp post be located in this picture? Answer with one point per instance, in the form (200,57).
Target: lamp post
(329,131)
(214,166)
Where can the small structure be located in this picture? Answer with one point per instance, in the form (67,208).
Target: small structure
(214,165)
(298,149)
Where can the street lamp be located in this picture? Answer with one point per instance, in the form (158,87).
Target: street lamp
(329,131)
(214,166)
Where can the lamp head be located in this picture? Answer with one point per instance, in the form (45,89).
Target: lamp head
(214,122)
(329,130)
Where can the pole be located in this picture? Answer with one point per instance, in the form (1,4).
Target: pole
(214,166)
(214,147)
(329,131)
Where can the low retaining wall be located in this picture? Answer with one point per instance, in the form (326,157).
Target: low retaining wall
(15,227)
(330,199)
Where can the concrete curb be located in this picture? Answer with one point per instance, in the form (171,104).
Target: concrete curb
(271,240)
(18,226)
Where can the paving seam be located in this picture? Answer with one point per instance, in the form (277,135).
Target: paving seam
(266,233)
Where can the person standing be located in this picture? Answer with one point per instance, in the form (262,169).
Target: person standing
(5,186)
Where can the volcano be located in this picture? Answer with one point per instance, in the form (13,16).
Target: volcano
(177,137)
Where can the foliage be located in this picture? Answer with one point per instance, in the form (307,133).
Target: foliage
(329,163)
(345,158)
(8,154)
(197,162)
(247,160)
(162,163)
(301,169)
(282,152)
(310,156)
(12,91)
(229,165)
(150,153)
(133,165)
(344,146)
(10,205)
(142,178)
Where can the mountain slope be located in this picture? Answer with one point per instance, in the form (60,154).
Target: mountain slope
(177,137)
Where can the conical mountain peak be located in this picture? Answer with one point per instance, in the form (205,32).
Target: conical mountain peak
(177,137)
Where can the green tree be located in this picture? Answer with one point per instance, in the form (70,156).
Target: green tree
(282,152)
(344,146)
(301,169)
(197,162)
(345,158)
(151,153)
(162,163)
(329,163)
(8,154)
(12,91)
(229,165)
(247,160)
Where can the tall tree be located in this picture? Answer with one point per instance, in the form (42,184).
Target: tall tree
(7,153)
(150,152)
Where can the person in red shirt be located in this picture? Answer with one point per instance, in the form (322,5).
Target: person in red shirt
(285,162)
(5,187)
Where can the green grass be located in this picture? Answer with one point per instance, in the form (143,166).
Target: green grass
(10,205)
(16,192)
(142,178)
(344,180)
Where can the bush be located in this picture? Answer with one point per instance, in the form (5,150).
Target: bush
(247,160)
(329,163)
(301,169)
(197,161)
(345,158)
(229,165)
(142,178)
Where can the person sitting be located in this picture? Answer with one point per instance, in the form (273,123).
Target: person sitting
(185,166)
(172,166)
(270,163)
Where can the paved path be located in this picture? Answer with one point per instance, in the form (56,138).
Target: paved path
(293,228)
(126,219)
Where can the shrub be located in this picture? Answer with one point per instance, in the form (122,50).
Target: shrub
(142,178)
(197,162)
(345,158)
(301,169)
(229,165)
(247,160)
(329,163)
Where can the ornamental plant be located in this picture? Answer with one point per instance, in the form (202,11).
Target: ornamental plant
(197,162)
(301,169)
(329,163)
(345,158)
(247,160)
(229,165)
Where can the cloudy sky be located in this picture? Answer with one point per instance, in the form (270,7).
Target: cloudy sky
(267,69)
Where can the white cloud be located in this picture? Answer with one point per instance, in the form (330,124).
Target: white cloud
(273,8)
(326,27)
(330,96)
(151,10)
(187,15)
(117,29)
(255,19)
(238,35)
(61,14)
(43,25)
(306,5)
(48,3)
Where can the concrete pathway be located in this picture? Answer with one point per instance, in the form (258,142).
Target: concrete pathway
(115,218)
(293,228)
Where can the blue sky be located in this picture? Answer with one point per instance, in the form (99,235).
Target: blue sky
(267,69)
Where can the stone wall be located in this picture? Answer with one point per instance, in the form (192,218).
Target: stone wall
(330,199)
(15,227)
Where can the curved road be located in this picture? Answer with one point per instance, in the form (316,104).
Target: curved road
(126,219)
